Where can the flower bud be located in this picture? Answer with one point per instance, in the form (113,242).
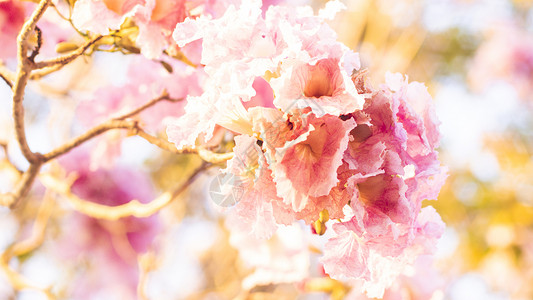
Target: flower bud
(320,228)
(324,216)
(65,47)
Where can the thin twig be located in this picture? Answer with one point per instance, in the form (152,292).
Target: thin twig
(9,76)
(112,213)
(115,123)
(6,76)
(91,133)
(38,74)
(20,282)
(65,59)
(22,187)
(146,262)
(39,226)
(206,155)
(164,96)
(121,122)
(11,165)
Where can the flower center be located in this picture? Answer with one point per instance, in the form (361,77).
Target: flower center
(319,83)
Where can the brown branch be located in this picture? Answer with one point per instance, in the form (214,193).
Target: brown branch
(65,59)
(91,133)
(161,143)
(9,163)
(18,112)
(38,74)
(22,187)
(206,155)
(39,226)
(24,68)
(11,199)
(164,96)
(121,123)
(112,213)
(115,123)
(7,75)
(29,26)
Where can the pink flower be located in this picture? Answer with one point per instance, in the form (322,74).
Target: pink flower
(264,95)
(110,245)
(12,15)
(156,19)
(394,167)
(308,168)
(376,260)
(242,45)
(254,212)
(505,55)
(320,147)
(326,87)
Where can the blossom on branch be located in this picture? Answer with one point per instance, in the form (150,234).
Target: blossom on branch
(326,142)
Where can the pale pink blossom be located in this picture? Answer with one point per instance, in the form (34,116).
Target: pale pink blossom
(254,212)
(242,45)
(394,167)
(156,19)
(311,136)
(308,168)
(380,160)
(505,55)
(375,260)
(326,87)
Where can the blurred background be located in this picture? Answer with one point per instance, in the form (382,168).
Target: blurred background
(475,56)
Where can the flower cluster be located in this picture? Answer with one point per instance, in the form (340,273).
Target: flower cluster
(317,143)
(156,19)
(313,142)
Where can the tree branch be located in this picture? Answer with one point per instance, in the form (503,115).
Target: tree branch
(22,187)
(7,75)
(91,133)
(205,154)
(164,96)
(112,213)
(38,74)
(9,163)
(121,123)
(65,59)
(24,68)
